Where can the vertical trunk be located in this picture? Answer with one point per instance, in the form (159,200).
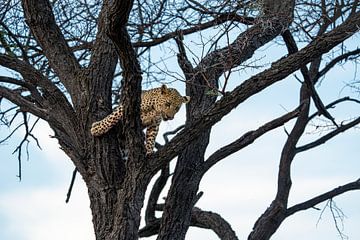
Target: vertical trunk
(116,209)
(182,194)
(188,172)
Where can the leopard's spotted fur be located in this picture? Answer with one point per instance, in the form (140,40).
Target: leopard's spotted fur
(156,105)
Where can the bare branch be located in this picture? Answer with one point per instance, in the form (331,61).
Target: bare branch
(155,193)
(73,177)
(333,104)
(213,221)
(278,71)
(26,140)
(333,62)
(309,79)
(222,18)
(40,18)
(330,135)
(247,139)
(323,197)
(199,218)
(25,105)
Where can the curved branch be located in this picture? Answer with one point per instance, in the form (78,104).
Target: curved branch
(34,77)
(332,104)
(201,219)
(336,60)
(323,197)
(55,108)
(213,221)
(155,193)
(24,104)
(247,139)
(222,18)
(328,136)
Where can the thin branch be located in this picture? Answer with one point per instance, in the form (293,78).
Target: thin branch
(25,140)
(337,213)
(355,185)
(332,104)
(183,61)
(292,48)
(68,195)
(336,60)
(327,137)
(247,139)
(222,18)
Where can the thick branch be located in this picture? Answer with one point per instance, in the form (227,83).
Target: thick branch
(213,221)
(199,218)
(52,99)
(155,193)
(103,58)
(131,89)
(278,71)
(23,103)
(41,20)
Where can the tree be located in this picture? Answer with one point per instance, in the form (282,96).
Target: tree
(64,56)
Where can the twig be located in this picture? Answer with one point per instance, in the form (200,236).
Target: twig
(71,185)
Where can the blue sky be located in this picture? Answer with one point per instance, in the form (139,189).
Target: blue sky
(239,188)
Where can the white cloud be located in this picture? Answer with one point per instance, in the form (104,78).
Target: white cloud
(41,214)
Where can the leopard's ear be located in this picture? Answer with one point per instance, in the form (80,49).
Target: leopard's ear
(164,89)
(186,99)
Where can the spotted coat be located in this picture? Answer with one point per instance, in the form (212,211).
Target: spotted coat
(156,105)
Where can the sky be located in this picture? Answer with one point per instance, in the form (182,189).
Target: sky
(239,188)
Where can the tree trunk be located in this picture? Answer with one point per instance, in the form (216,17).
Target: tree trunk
(117,193)
(182,195)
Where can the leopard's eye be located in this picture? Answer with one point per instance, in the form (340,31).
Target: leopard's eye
(167,104)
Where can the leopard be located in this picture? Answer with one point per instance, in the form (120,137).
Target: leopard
(157,105)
